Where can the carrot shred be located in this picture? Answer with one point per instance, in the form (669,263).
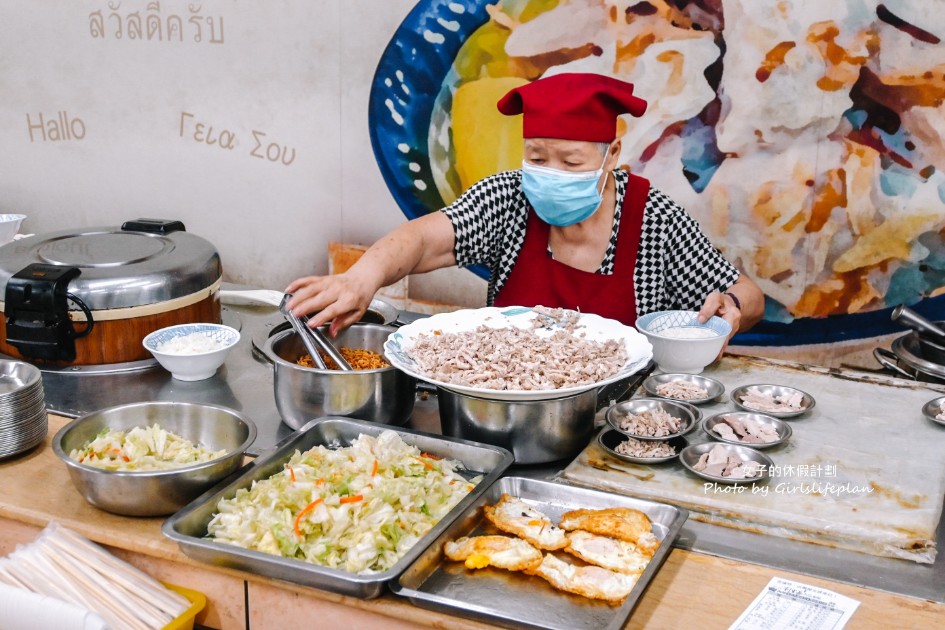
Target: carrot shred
(298,519)
(430,456)
(374,470)
(352,499)
(425,463)
(291,473)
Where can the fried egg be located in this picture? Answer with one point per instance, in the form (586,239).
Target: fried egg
(627,524)
(589,581)
(514,516)
(503,552)
(610,553)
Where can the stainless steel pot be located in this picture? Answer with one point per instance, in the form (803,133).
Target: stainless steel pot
(385,395)
(536,431)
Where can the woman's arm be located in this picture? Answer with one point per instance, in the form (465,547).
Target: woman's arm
(420,245)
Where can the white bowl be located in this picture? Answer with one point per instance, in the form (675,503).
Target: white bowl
(186,364)
(10,226)
(674,353)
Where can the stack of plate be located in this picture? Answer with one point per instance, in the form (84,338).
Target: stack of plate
(23,420)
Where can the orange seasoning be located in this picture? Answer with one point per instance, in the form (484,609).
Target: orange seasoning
(358,358)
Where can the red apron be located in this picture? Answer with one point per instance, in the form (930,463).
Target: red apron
(538,278)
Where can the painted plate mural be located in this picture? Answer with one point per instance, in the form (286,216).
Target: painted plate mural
(807,141)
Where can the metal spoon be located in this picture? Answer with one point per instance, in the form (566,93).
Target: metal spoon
(314,339)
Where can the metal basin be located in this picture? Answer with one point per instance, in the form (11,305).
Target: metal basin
(536,431)
(385,395)
(159,492)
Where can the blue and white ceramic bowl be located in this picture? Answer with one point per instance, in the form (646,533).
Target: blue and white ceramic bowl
(680,343)
(187,365)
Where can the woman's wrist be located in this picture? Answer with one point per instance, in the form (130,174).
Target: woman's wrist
(735,299)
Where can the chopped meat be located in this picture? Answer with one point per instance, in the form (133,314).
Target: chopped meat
(746,431)
(520,359)
(651,423)
(778,404)
(941,412)
(639,448)
(681,390)
(718,463)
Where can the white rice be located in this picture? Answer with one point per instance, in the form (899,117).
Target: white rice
(194,343)
(688,332)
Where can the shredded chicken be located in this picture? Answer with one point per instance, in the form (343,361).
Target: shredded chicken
(681,390)
(520,359)
(719,463)
(651,423)
(746,431)
(778,404)
(649,448)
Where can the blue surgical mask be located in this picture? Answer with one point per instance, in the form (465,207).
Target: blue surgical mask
(561,198)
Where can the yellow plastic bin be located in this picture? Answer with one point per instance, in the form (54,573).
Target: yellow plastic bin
(198,601)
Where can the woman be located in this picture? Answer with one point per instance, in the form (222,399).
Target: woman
(567,230)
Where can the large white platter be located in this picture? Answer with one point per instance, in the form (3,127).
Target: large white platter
(595,328)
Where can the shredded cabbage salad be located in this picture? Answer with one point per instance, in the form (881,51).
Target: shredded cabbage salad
(359,508)
(142,449)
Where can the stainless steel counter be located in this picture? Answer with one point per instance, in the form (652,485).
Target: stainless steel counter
(245,383)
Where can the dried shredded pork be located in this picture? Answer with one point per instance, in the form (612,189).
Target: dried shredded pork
(650,448)
(520,359)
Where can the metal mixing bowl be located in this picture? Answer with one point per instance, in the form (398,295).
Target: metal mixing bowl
(536,431)
(690,455)
(688,415)
(713,387)
(385,395)
(783,428)
(160,492)
(807,401)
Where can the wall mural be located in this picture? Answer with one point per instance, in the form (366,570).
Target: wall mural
(806,136)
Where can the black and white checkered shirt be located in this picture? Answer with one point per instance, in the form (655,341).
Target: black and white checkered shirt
(676,264)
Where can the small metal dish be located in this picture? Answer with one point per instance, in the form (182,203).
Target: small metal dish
(783,428)
(611,438)
(807,400)
(685,412)
(712,386)
(690,455)
(933,408)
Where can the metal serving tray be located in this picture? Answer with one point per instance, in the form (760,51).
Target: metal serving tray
(189,526)
(517,600)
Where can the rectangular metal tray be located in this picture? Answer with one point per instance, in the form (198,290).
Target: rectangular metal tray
(517,600)
(188,527)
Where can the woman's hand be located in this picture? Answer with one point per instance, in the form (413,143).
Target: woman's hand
(341,299)
(742,306)
(723,305)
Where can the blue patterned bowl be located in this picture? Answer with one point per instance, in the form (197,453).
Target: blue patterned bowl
(188,365)
(680,343)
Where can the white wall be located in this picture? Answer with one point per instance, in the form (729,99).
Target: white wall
(292,74)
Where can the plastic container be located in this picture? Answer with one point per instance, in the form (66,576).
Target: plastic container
(198,601)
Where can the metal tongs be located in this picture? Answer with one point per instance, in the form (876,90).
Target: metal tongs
(313,339)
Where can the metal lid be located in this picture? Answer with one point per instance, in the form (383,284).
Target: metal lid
(120,269)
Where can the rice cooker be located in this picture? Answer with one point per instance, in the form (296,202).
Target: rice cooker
(89,296)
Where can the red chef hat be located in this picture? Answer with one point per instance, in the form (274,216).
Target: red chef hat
(572,106)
